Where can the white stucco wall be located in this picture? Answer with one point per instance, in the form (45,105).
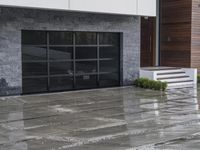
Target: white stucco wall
(126,7)
(105,6)
(51,4)
(147,7)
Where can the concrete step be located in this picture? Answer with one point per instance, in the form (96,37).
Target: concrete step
(188,83)
(169,71)
(169,75)
(181,86)
(183,76)
(174,79)
(162,68)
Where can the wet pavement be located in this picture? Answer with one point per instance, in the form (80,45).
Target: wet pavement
(106,119)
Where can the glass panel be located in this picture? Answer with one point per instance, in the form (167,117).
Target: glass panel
(34,37)
(86,67)
(109,66)
(36,68)
(34,85)
(109,38)
(61,53)
(34,53)
(61,83)
(86,52)
(109,52)
(61,60)
(86,81)
(60,38)
(109,80)
(61,68)
(86,38)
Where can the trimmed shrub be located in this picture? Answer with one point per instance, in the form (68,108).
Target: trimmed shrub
(150,84)
(198,78)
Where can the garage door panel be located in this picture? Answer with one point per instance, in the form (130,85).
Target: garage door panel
(61,83)
(35,85)
(60,53)
(59,61)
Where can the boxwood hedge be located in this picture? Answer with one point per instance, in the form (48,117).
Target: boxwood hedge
(150,84)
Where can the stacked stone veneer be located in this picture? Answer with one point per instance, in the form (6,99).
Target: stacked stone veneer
(13,20)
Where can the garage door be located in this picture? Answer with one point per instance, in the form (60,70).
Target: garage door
(60,61)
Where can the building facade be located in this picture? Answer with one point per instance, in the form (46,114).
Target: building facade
(48,46)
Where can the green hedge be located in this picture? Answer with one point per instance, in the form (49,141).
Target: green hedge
(198,78)
(150,84)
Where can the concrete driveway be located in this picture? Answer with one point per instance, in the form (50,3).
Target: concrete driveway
(105,119)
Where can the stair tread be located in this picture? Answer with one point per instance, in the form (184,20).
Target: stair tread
(168,73)
(174,77)
(186,81)
(163,69)
(180,87)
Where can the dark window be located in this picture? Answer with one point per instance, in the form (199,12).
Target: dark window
(86,81)
(34,69)
(33,53)
(34,38)
(109,38)
(109,52)
(86,38)
(106,80)
(57,61)
(109,66)
(60,38)
(86,52)
(34,85)
(61,83)
(83,67)
(60,53)
(61,68)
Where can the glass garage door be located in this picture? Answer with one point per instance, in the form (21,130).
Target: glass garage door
(59,61)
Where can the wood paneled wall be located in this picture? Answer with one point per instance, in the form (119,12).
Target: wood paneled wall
(175,33)
(195,42)
(148,42)
(180,33)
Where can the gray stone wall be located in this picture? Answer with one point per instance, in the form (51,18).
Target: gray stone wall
(13,20)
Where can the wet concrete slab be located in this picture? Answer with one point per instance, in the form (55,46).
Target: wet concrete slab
(125,118)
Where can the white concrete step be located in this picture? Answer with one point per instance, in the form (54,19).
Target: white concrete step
(171,75)
(160,72)
(174,76)
(174,79)
(180,84)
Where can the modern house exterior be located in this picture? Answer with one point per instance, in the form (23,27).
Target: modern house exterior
(49,46)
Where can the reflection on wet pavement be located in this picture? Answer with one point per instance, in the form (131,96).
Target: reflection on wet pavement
(106,119)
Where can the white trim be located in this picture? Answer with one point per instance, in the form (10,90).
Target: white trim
(123,7)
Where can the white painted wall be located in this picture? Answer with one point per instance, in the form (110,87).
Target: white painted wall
(126,7)
(105,6)
(147,7)
(49,4)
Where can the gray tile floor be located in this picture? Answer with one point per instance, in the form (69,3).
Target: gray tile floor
(106,119)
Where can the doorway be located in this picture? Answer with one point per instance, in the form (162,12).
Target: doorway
(148,42)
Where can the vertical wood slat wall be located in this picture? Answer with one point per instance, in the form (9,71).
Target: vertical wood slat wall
(180,33)
(175,33)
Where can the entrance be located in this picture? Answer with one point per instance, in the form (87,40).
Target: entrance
(148,42)
(59,61)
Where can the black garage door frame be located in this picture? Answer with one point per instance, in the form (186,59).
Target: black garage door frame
(47,45)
